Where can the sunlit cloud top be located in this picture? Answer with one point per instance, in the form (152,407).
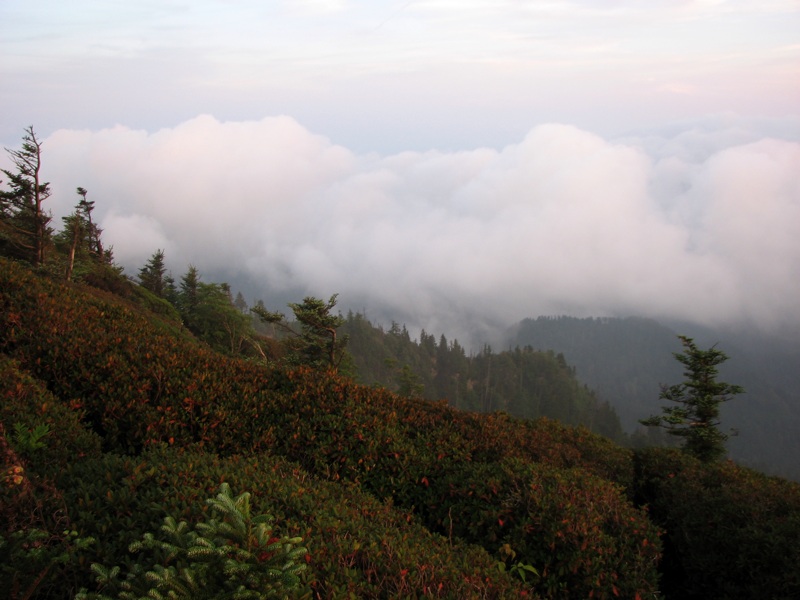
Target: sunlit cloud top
(436,162)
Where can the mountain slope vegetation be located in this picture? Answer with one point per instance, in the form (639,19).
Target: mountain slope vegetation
(522,382)
(114,417)
(626,361)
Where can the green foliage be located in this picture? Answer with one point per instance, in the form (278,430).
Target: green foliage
(696,418)
(209,313)
(730,532)
(358,546)
(153,274)
(523,382)
(578,532)
(232,556)
(29,440)
(408,383)
(154,304)
(47,433)
(518,568)
(37,544)
(79,242)
(439,461)
(317,344)
(33,560)
(24,224)
(108,277)
(397,496)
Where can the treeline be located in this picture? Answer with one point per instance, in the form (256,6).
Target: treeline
(626,360)
(130,430)
(104,408)
(522,382)
(26,231)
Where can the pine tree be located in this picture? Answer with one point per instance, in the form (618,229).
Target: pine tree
(241,303)
(24,224)
(152,275)
(80,238)
(189,295)
(93,232)
(74,231)
(234,555)
(696,418)
(317,344)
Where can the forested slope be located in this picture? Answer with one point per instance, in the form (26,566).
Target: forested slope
(392,496)
(522,382)
(627,360)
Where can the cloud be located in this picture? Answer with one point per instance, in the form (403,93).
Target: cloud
(699,225)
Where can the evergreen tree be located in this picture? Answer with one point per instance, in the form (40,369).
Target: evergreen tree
(188,295)
(80,238)
(170,290)
(317,343)
(71,236)
(209,312)
(151,276)
(93,232)
(216,320)
(233,555)
(24,224)
(240,302)
(696,418)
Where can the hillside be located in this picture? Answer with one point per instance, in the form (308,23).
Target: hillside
(113,418)
(522,382)
(627,360)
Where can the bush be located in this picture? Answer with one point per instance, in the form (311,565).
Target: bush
(109,278)
(26,406)
(578,531)
(233,557)
(357,545)
(36,539)
(731,532)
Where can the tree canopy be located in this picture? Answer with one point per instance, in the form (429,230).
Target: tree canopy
(24,224)
(696,417)
(317,343)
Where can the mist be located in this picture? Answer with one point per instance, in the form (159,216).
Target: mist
(699,224)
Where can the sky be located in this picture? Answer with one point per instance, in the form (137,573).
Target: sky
(452,166)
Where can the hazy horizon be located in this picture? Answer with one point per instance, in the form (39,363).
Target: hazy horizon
(456,167)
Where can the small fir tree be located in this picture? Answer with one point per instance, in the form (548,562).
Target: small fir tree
(80,238)
(233,556)
(696,418)
(317,344)
(152,275)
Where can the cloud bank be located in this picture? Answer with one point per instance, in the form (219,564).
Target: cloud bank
(700,225)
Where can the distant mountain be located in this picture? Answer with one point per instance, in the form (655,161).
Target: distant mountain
(626,360)
(521,382)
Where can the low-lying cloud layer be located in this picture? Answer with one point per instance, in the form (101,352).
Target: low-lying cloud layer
(702,225)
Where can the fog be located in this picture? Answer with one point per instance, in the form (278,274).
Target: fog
(699,223)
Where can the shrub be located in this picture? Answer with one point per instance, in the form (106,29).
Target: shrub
(26,406)
(233,557)
(36,539)
(109,278)
(578,531)
(731,532)
(358,546)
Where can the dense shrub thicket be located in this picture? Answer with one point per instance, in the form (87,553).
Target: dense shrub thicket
(730,532)
(393,497)
(356,544)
